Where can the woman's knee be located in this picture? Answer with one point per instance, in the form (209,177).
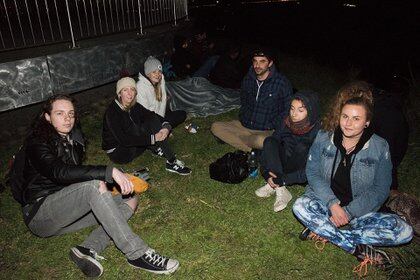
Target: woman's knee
(94,187)
(405,233)
(298,206)
(303,206)
(133,202)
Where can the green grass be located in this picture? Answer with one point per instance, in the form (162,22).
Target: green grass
(215,230)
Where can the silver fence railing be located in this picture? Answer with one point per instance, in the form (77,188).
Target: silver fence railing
(29,23)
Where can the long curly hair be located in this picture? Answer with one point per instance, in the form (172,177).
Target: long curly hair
(349,91)
(40,126)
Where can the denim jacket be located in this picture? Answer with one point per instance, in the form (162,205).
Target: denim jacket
(370,174)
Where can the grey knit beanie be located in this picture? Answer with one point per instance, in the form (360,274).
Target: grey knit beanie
(151,64)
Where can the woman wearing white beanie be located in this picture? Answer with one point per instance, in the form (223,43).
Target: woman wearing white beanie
(152,95)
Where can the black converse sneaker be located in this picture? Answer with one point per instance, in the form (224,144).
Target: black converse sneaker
(155,263)
(86,260)
(178,167)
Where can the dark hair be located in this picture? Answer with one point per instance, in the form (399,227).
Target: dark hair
(41,127)
(361,101)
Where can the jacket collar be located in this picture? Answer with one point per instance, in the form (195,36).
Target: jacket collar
(365,146)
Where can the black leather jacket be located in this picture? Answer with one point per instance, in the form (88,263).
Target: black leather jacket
(54,164)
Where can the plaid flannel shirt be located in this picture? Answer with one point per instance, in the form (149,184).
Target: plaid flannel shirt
(264,104)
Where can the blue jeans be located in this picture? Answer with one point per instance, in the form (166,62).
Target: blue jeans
(379,229)
(81,205)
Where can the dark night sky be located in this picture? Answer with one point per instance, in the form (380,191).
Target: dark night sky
(368,33)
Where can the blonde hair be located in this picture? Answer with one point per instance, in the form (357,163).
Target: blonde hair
(349,91)
(158,91)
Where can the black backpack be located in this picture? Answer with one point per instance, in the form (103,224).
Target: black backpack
(232,168)
(14,178)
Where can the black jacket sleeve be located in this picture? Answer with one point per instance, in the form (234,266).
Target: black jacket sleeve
(44,159)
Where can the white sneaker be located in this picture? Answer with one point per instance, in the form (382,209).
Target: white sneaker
(265,191)
(283,196)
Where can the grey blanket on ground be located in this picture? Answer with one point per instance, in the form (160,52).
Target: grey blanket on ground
(198,97)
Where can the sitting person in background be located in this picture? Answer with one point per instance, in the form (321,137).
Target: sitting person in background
(129,129)
(61,195)
(151,93)
(183,62)
(349,178)
(226,72)
(284,155)
(265,99)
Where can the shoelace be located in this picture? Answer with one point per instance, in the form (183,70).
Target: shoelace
(362,268)
(370,258)
(319,241)
(96,256)
(155,258)
(179,163)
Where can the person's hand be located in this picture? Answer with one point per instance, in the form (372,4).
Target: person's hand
(270,180)
(122,180)
(338,215)
(162,134)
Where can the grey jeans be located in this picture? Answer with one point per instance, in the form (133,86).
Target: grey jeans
(81,205)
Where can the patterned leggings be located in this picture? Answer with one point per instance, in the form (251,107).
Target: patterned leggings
(379,229)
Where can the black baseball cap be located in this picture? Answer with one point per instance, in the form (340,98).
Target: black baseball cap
(263,52)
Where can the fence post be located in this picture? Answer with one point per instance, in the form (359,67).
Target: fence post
(73,42)
(174,13)
(140,19)
(186,10)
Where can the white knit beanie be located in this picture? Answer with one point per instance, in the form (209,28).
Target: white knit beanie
(151,64)
(125,82)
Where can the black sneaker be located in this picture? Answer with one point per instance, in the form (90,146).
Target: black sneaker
(304,235)
(178,167)
(307,234)
(368,255)
(86,260)
(155,263)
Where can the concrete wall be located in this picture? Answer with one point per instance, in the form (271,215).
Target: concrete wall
(33,80)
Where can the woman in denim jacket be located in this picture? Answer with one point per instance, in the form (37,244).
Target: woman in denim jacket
(349,178)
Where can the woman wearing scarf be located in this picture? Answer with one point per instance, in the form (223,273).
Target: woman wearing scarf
(349,178)
(284,153)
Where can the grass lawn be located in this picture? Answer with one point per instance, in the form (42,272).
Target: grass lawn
(215,230)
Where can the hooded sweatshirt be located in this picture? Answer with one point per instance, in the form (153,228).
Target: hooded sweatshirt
(284,134)
(298,142)
(147,98)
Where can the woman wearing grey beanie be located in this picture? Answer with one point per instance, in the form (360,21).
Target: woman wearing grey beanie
(151,93)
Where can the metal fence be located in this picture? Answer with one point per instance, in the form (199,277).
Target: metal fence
(28,23)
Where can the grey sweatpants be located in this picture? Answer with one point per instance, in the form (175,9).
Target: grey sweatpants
(81,205)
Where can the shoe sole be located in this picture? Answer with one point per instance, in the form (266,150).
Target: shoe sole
(166,272)
(173,171)
(88,265)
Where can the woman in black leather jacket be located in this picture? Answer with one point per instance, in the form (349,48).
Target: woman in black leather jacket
(62,195)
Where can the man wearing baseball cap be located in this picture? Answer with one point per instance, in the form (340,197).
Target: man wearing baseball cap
(265,95)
